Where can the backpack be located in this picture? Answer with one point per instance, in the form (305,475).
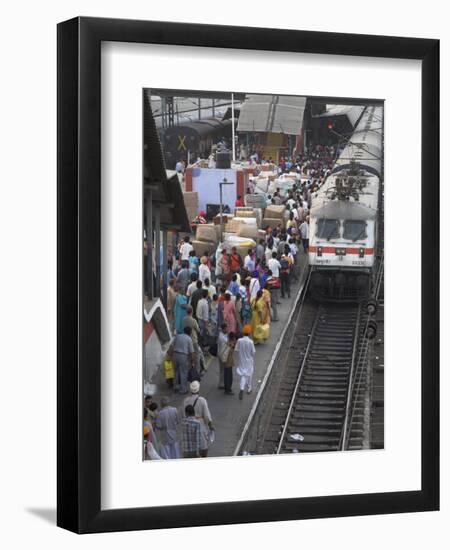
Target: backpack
(213,349)
(284,264)
(193,375)
(273,283)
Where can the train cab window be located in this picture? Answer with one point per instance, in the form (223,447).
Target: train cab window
(327,229)
(355,230)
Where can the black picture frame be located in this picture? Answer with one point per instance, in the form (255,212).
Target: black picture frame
(79,280)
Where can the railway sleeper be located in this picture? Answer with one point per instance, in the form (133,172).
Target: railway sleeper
(330,389)
(310,448)
(319,423)
(322,396)
(313,400)
(314,430)
(312,379)
(312,407)
(323,369)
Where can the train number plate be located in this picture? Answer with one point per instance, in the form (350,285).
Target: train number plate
(340,251)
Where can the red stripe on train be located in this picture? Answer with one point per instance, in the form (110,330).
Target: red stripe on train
(332,250)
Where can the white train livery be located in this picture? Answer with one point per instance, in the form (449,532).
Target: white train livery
(344,216)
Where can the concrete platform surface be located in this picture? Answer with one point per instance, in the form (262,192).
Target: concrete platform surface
(228,412)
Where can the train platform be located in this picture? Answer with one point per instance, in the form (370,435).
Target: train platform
(228,412)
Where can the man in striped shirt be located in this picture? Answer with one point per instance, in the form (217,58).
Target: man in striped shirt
(190,429)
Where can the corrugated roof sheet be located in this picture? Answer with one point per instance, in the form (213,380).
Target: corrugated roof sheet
(166,191)
(353,112)
(272,113)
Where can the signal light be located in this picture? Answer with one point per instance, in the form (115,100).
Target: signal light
(330,125)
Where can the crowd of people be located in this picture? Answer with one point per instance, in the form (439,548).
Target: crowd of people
(222,305)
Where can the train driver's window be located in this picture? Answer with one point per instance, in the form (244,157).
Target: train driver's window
(355,230)
(327,229)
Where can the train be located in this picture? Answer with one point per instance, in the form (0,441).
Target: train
(194,139)
(344,244)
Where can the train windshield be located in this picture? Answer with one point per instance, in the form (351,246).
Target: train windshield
(355,230)
(327,229)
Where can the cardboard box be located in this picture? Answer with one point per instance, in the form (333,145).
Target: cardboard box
(272,222)
(190,199)
(248,230)
(206,233)
(250,213)
(201,247)
(275,211)
(192,212)
(225,217)
(255,201)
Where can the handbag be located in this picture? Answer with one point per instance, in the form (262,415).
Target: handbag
(193,375)
(225,352)
(168,369)
(213,349)
(273,283)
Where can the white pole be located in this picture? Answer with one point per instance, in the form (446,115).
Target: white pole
(232,128)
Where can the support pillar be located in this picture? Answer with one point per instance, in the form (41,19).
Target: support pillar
(149,231)
(157,253)
(164,268)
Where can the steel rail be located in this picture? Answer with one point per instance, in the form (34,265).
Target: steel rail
(350,378)
(298,306)
(299,378)
(362,358)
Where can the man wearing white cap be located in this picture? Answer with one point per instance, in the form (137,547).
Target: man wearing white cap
(201,413)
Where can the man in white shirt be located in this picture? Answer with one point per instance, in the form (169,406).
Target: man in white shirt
(244,355)
(185,249)
(274,265)
(304,234)
(222,341)
(290,202)
(202,312)
(192,287)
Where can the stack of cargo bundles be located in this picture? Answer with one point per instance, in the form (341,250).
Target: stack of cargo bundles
(242,244)
(206,239)
(284,183)
(191,203)
(273,216)
(255,201)
(248,212)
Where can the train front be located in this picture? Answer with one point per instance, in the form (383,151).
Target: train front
(342,250)
(344,220)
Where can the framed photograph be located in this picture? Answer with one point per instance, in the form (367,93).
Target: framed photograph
(248,260)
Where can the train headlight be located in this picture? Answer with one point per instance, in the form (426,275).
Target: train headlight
(319,251)
(361,252)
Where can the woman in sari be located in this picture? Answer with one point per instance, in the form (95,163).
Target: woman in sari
(266,299)
(229,313)
(225,267)
(179,310)
(259,316)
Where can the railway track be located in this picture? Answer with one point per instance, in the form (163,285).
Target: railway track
(315,398)
(317,409)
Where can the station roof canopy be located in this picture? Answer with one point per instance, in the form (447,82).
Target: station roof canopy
(280,114)
(165,191)
(352,112)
